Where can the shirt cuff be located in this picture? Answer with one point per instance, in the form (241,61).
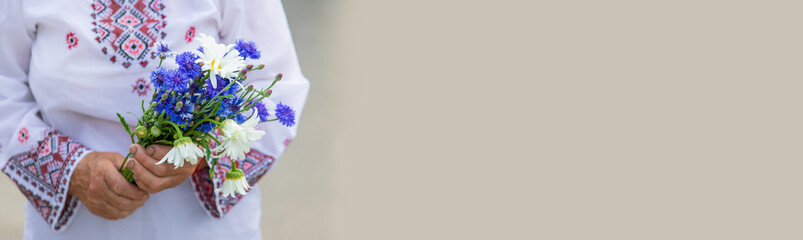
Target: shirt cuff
(43,175)
(255,165)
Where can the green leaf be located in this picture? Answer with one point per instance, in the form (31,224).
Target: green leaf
(208,153)
(128,174)
(125,125)
(122,120)
(215,109)
(212,168)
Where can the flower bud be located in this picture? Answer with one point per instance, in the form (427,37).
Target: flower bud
(279,77)
(141,131)
(164,96)
(179,105)
(250,87)
(201,64)
(243,72)
(268,93)
(260,66)
(155,131)
(249,66)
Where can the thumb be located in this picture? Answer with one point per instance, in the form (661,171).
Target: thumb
(117,159)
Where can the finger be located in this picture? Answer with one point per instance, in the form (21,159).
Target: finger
(121,204)
(151,183)
(158,151)
(145,179)
(120,186)
(116,159)
(116,202)
(98,205)
(174,181)
(148,162)
(103,210)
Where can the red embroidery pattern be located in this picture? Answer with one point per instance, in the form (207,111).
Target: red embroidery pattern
(130,28)
(141,87)
(22,136)
(43,173)
(190,34)
(255,165)
(72,41)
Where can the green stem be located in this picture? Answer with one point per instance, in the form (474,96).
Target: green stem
(125,160)
(271,85)
(206,120)
(178,130)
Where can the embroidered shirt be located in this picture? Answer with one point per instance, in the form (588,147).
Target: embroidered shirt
(66,68)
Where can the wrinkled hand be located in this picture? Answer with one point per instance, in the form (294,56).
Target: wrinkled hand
(154,178)
(102,189)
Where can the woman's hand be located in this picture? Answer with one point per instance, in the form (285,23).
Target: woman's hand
(154,178)
(102,189)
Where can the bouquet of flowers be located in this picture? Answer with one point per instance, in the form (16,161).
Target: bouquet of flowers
(203,110)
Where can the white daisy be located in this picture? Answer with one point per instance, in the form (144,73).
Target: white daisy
(222,60)
(234,183)
(238,138)
(183,150)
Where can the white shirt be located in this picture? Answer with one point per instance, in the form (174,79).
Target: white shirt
(66,68)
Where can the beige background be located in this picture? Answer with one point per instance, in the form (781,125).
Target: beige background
(540,120)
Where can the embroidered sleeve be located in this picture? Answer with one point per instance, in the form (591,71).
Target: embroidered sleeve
(255,165)
(37,158)
(43,173)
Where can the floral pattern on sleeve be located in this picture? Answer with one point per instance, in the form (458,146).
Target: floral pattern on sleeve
(43,175)
(255,165)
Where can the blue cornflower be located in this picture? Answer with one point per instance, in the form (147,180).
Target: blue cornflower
(212,91)
(162,50)
(247,49)
(228,107)
(262,112)
(285,114)
(194,88)
(205,127)
(240,119)
(181,115)
(221,84)
(176,81)
(187,66)
(158,77)
(163,101)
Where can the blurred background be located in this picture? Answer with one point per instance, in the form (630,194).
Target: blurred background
(580,119)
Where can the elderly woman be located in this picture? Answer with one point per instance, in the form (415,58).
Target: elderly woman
(66,68)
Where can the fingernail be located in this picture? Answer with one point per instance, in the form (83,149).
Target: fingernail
(150,150)
(132,149)
(130,163)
